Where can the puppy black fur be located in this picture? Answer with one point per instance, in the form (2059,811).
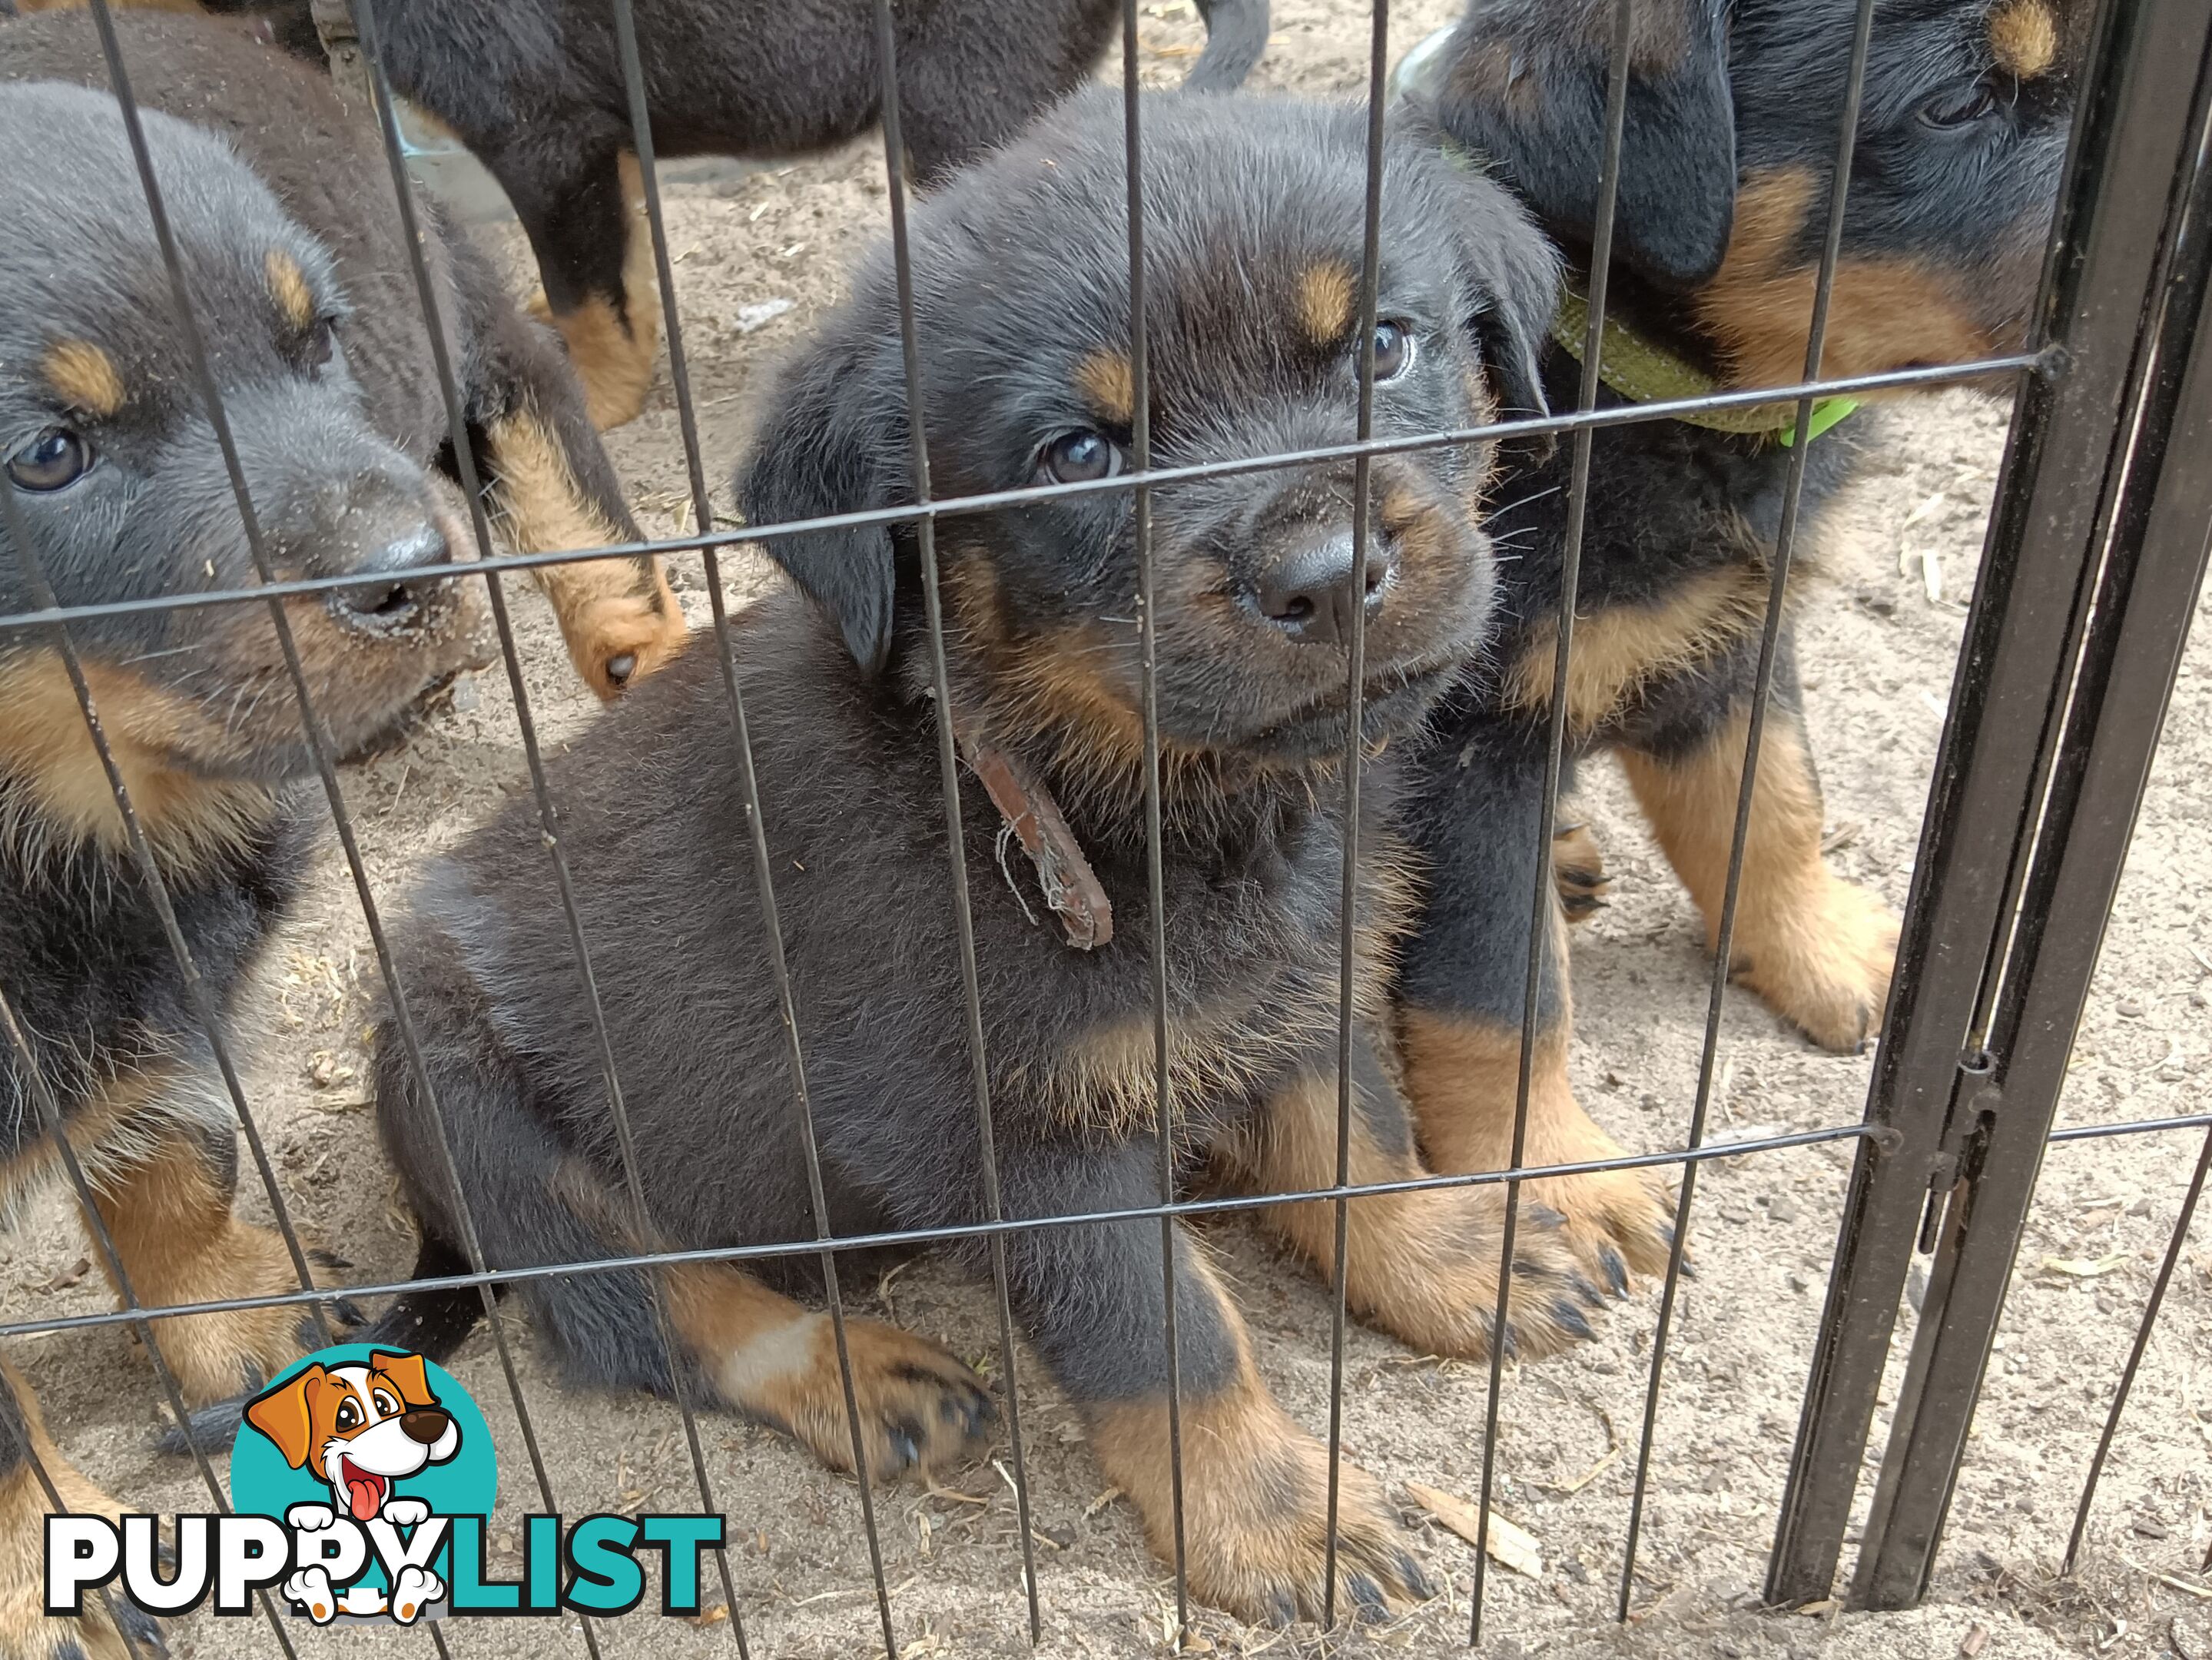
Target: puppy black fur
(1022,294)
(116,488)
(535,88)
(548,485)
(1733,115)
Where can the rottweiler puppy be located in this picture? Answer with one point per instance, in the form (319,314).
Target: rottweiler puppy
(548,483)
(113,475)
(1732,120)
(1021,289)
(535,88)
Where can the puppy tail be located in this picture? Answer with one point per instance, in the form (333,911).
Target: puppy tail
(1236,35)
(431,1323)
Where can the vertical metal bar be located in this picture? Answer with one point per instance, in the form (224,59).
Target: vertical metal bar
(2146,594)
(202,1003)
(2143,1329)
(2031,590)
(1140,501)
(948,768)
(1541,898)
(1371,264)
(319,743)
(1761,697)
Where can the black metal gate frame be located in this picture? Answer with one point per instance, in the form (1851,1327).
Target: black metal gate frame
(2095,555)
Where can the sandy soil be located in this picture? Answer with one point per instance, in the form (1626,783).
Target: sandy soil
(1880,634)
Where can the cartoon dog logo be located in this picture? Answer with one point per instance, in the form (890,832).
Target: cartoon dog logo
(363,1429)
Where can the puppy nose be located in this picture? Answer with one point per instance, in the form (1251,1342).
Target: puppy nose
(1311,590)
(396,606)
(424,1424)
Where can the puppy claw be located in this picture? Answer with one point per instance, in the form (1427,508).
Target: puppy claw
(1616,1271)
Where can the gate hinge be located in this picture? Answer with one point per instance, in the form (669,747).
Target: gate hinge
(1966,1136)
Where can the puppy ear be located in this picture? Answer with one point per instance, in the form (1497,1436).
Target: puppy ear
(408,1373)
(1524,86)
(835,441)
(282,1414)
(1509,274)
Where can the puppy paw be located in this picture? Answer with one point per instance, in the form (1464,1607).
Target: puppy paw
(1579,872)
(215,1355)
(919,1407)
(310,1518)
(406,1512)
(1256,1505)
(611,356)
(617,638)
(415,1590)
(1825,966)
(1427,1273)
(309,1590)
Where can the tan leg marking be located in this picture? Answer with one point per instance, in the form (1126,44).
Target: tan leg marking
(1578,870)
(27,1631)
(770,1357)
(1422,1266)
(1464,1076)
(619,617)
(172,1223)
(613,350)
(1256,1495)
(1817,948)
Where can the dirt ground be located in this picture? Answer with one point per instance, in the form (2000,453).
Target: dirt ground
(1881,620)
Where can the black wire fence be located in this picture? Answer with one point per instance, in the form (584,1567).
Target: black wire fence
(2093,559)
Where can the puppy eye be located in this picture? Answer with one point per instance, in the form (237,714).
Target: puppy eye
(1077,457)
(1393,350)
(321,341)
(385,1404)
(53,460)
(1959,106)
(347,1415)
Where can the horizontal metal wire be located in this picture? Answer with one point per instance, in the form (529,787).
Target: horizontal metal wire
(1880,1134)
(2132,1127)
(2047,363)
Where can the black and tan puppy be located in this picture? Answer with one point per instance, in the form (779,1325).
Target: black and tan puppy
(1022,293)
(535,88)
(114,476)
(548,483)
(1733,116)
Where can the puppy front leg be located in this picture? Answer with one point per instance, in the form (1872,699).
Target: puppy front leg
(1476,813)
(1255,1484)
(26,1631)
(1817,948)
(551,487)
(169,1213)
(776,1361)
(1423,1265)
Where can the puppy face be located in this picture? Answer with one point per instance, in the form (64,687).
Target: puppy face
(116,476)
(360,1427)
(1254,218)
(1733,118)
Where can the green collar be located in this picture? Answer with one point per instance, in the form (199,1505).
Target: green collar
(1644,372)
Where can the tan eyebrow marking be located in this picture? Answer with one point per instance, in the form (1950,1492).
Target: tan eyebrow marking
(84,377)
(2024,38)
(1324,302)
(1104,377)
(288,287)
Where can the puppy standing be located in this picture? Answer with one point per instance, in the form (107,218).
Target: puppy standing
(1732,117)
(535,88)
(548,485)
(1022,291)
